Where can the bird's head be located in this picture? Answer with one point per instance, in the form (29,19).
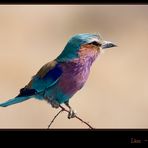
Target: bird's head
(76,42)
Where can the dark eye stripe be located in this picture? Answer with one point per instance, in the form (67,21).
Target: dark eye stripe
(95,43)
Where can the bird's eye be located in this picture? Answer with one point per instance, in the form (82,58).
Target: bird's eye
(95,43)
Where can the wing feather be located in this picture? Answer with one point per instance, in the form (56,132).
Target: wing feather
(47,76)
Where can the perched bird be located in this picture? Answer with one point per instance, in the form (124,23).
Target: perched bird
(57,81)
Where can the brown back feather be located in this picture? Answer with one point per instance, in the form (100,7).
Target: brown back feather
(43,71)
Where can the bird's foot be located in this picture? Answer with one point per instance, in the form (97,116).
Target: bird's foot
(54,104)
(71,114)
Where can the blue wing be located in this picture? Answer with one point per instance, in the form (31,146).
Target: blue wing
(47,76)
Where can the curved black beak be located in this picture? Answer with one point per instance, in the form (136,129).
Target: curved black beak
(107,44)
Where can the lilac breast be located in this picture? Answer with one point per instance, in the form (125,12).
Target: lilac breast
(75,74)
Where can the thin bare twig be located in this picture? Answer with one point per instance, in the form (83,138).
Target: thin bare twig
(78,118)
(54,118)
(63,109)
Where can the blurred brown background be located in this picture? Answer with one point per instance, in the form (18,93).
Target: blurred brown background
(116,93)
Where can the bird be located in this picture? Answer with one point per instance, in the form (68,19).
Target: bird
(58,80)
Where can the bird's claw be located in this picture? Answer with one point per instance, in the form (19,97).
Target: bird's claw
(71,114)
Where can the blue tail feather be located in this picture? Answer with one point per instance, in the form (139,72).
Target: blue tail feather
(14,101)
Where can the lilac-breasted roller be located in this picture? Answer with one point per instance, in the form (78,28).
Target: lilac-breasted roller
(57,81)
